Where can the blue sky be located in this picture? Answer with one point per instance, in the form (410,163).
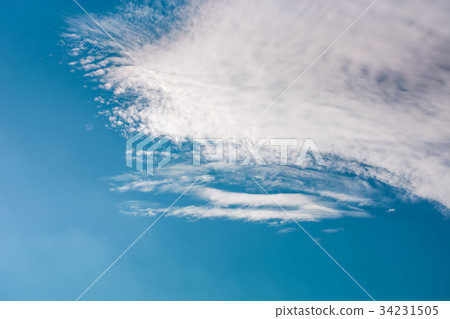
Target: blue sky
(61,224)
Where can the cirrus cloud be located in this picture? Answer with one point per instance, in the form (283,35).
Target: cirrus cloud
(378,101)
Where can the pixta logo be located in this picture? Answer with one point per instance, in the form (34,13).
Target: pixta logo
(145,150)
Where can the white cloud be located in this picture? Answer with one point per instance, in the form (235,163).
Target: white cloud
(246,201)
(259,214)
(378,101)
(287,230)
(136,208)
(332,230)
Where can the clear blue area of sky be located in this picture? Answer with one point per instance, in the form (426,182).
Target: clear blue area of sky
(60,227)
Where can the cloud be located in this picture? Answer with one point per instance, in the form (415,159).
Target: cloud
(244,200)
(376,105)
(136,208)
(287,230)
(248,213)
(88,126)
(332,230)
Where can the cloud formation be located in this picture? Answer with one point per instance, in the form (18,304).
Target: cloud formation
(376,105)
(305,195)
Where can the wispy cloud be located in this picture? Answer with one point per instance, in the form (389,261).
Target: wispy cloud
(136,208)
(332,230)
(378,101)
(287,230)
(305,201)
